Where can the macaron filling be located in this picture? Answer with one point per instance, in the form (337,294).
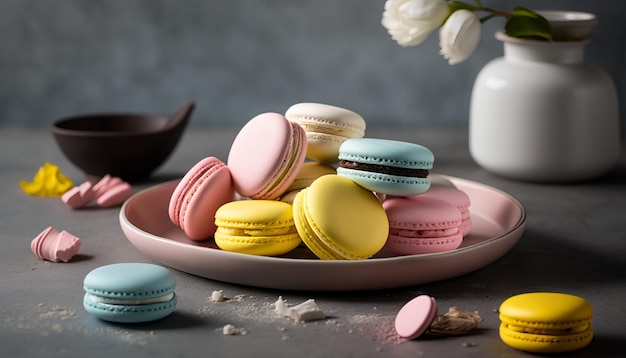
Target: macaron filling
(384,169)
(549,332)
(129,301)
(445,232)
(235,231)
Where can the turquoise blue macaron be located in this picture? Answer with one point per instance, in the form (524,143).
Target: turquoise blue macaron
(130,292)
(386,166)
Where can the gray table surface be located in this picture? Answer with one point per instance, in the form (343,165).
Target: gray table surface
(575,242)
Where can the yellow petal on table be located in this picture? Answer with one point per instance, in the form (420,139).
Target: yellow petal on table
(48,182)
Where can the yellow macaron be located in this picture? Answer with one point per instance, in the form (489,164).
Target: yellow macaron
(339,220)
(546,322)
(256,227)
(307,174)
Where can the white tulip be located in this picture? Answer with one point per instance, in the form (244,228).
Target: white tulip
(459,36)
(410,22)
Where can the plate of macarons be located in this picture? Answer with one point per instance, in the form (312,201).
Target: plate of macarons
(321,208)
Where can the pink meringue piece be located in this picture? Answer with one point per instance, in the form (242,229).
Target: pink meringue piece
(111,191)
(79,196)
(55,246)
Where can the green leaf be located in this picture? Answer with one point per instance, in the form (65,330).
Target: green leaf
(459,5)
(528,26)
(518,10)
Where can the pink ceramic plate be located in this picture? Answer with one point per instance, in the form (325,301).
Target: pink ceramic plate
(498,223)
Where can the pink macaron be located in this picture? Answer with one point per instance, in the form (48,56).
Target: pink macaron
(457,198)
(422,225)
(55,246)
(206,186)
(416,316)
(266,155)
(111,191)
(79,196)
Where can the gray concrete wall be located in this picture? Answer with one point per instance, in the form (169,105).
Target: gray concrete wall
(239,58)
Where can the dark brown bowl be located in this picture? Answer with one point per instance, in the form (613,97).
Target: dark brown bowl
(129,146)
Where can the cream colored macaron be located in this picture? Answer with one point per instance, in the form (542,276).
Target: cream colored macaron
(326,128)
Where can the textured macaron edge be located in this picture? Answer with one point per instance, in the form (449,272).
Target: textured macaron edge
(385,183)
(327,119)
(540,343)
(413,246)
(130,313)
(271,245)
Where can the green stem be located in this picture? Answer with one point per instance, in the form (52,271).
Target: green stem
(494,12)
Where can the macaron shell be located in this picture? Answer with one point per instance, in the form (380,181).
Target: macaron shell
(130,313)
(255,215)
(129,280)
(385,183)
(79,196)
(275,245)
(337,219)
(537,343)
(326,128)
(115,195)
(546,311)
(324,118)
(266,155)
(405,246)
(416,316)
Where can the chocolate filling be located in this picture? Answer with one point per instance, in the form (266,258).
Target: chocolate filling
(384,169)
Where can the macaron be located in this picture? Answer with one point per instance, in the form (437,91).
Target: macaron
(326,128)
(79,196)
(130,292)
(55,246)
(111,191)
(266,155)
(307,174)
(198,195)
(422,225)
(256,227)
(546,322)
(456,197)
(414,318)
(386,166)
(339,220)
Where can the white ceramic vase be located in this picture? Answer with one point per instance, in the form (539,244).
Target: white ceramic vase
(542,114)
